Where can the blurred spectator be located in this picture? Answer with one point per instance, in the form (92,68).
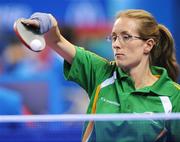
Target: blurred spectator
(10,102)
(18,67)
(37,75)
(18,60)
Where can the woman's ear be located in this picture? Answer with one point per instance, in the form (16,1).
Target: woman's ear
(149,45)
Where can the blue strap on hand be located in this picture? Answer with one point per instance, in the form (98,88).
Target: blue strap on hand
(44,20)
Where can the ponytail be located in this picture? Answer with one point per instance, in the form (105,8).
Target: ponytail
(163,54)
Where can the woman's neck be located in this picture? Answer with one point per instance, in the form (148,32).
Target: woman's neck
(142,76)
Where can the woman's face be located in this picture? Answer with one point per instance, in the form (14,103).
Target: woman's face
(127,46)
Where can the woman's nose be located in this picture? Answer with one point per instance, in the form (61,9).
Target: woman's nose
(116,44)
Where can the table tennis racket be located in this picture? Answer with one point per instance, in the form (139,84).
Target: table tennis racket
(29,36)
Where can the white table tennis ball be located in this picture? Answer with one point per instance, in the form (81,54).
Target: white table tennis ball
(36,45)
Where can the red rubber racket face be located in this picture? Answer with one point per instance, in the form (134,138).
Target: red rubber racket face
(27,34)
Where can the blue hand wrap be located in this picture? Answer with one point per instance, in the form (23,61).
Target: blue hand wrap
(44,20)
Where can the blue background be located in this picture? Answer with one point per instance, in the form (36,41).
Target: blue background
(83,16)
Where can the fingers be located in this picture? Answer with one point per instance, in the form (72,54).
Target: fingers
(53,20)
(41,21)
(31,22)
(44,19)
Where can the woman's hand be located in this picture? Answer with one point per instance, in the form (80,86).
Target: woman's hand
(48,26)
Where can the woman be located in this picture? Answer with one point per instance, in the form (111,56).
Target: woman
(140,80)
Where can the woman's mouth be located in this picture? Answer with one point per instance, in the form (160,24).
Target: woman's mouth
(119,54)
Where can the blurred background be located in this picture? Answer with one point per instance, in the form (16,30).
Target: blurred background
(33,83)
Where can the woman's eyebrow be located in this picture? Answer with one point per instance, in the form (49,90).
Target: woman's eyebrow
(124,32)
(121,33)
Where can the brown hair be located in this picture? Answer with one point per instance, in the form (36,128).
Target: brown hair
(163,52)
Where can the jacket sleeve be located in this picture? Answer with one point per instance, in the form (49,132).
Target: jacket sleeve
(87,69)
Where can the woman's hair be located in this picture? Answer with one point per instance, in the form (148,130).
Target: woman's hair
(163,53)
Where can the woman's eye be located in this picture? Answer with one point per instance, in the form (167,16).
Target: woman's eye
(114,38)
(126,37)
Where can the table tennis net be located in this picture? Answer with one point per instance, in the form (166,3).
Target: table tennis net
(69,127)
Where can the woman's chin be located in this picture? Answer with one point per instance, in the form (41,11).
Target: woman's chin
(121,65)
